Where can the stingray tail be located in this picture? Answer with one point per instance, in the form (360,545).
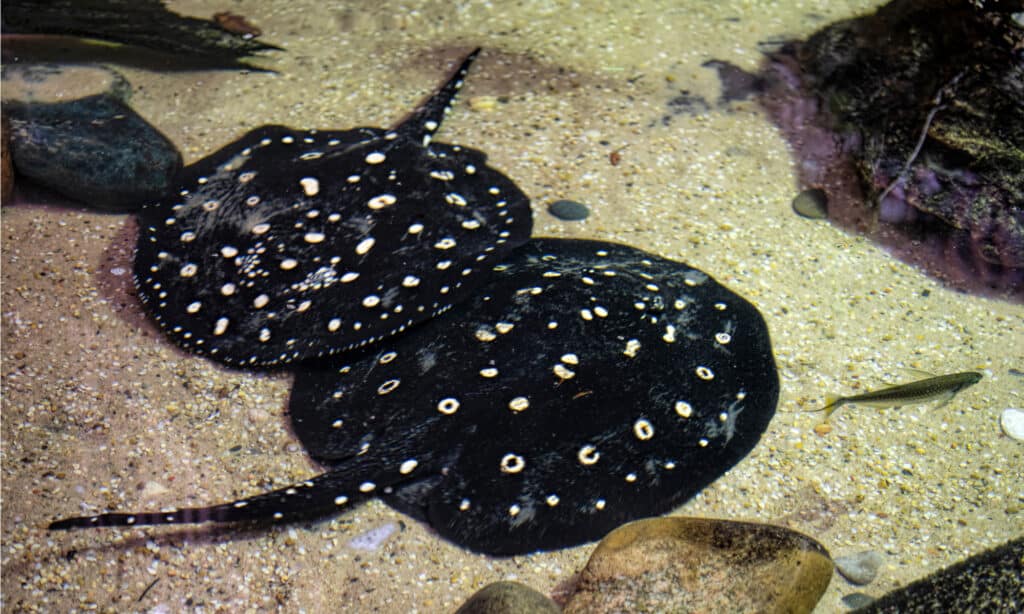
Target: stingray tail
(315,498)
(426,119)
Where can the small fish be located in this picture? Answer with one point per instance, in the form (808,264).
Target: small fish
(942,387)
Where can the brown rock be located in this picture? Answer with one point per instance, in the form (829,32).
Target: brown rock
(677,564)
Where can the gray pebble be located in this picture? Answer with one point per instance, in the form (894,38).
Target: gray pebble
(812,204)
(855,601)
(568,210)
(860,568)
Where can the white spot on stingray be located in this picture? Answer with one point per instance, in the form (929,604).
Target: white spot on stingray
(410,281)
(381,201)
(471,224)
(670,334)
(314,237)
(643,429)
(415,229)
(488,372)
(259,229)
(632,347)
(194,307)
(443,265)
(504,327)
(388,386)
(723,338)
(445,243)
(455,199)
(470,169)
(463,505)
(310,185)
(720,306)
(448,406)
(228,251)
(371,300)
(228,289)
(630,477)
(367,487)
(375,158)
(365,245)
(570,359)
(563,372)
(221,326)
(519,404)
(588,455)
(189,270)
(264,335)
(260,301)
(600,504)
(288,264)
(586,314)
(349,277)
(514,510)
(188,236)
(340,500)
(512,463)
(684,409)
(705,373)
(352,179)
(485,335)
(408,466)
(552,500)
(246,177)
(211,205)
(703,442)
(430,125)
(334,325)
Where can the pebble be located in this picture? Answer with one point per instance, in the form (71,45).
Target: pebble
(812,204)
(855,601)
(663,565)
(72,132)
(372,539)
(1012,421)
(860,568)
(508,598)
(568,210)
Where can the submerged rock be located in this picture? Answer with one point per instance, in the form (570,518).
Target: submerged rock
(860,568)
(508,598)
(988,582)
(72,132)
(677,564)
(568,210)
(919,105)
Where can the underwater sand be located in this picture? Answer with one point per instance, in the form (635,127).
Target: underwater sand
(101,412)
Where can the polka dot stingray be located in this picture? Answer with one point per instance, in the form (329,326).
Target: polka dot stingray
(291,244)
(586,384)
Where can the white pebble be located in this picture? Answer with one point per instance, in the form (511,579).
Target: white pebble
(1012,422)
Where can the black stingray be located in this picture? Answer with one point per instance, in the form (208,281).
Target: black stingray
(585,385)
(290,244)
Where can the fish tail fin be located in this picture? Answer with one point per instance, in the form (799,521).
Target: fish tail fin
(423,122)
(832,403)
(314,498)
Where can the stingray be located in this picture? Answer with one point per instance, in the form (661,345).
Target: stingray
(586,384)
(290,244)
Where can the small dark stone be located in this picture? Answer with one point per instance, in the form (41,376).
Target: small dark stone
(568,210)
(508,598)
(812,204)
(94,149)
(857,600)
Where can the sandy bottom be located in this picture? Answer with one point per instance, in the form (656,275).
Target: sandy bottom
(101,412)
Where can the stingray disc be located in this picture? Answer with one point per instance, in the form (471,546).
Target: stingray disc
(290,244)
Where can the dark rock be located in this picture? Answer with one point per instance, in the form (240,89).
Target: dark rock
(919,104)
(992,581)
(812,204)
(568,210)
(676,564)
(508,598)
(90,146)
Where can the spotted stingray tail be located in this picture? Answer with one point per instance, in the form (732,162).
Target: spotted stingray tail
(426,119)
(314,498)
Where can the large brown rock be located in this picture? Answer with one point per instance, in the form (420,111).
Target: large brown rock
(677,564)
